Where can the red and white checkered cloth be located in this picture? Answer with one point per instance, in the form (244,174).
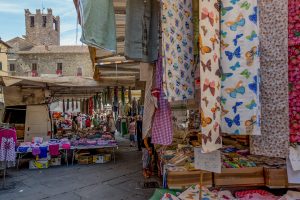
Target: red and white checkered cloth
(162,132)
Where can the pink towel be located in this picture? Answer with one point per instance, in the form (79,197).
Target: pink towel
(54,149)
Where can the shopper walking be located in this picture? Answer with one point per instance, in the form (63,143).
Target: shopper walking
(132,132)
(139,134)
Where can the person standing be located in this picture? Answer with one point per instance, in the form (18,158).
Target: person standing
(132,132)
(139,134)
(111,125)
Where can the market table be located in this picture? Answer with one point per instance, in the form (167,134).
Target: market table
(78,148)
(74,150)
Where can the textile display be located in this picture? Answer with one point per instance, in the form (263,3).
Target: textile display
(274,141)
(210,75)
(177,49)
(8,139)
(162,128)
(240,68)
(196,26)
(294,73)
(193,194)
(149,107)
(141,31)
(98,24)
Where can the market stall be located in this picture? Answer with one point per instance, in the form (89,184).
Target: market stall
(229,60)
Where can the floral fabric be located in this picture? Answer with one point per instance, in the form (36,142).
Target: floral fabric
(177,49)
(274,140)
(210,74)
(240,65)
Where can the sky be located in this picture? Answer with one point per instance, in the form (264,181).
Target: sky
(12,18)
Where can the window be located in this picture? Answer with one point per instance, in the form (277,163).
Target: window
(34,67)
(59,69)
(79,71)
(55,27)
(31,21)
(44,21)
(0,65)
(59,66)
(12,67)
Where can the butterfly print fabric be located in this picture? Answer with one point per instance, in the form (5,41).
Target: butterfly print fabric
(210,75)
(240,66)
(177,49)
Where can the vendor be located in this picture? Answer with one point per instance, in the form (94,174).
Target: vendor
(147,151)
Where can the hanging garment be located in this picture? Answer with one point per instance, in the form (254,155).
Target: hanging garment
(8,139)
(82,105)
(109,96)
(68,105)
(72,104)
(210,75)
(177,49)
(98,24)
(76,104)
(63,105)
(274,140)
(90,106)
(116,101)
(162,132)
(141,32)
(54,149)
(240,66)
(149,107)
(129,95)
(43,152)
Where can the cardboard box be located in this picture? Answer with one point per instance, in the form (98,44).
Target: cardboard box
(101,158)
(38,164)
(183,180)
(85,160)
(55,161)
(250,176)
(277,178)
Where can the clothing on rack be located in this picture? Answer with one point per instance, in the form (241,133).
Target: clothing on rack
(8,139)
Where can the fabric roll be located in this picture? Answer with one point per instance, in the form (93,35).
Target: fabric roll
(162,130)
(274,141)
(210,75)
(177,49)
(98,24)
(149,107)
(240,65)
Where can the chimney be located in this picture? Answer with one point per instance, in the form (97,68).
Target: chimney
(38,11)
(27,11)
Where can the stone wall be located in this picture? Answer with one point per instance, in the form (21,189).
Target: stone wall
(47,64)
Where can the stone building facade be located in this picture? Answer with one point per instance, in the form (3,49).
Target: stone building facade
(39,52)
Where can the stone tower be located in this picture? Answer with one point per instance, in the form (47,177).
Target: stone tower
(41,28)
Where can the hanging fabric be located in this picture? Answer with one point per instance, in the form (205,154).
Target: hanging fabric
(141,31)
(72,104)
(210,75)
(240,65)
(90,106)
(196,26)
(149,107)
(87,106)
(98,24)
(63,106)
(68,105)
(81,105)
(76,104)
(109,97)
(274,141)
(116,101)
(123,95)
(162,130)
(129,95)
(177,49)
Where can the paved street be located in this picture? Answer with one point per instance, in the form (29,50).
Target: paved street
(122,180)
